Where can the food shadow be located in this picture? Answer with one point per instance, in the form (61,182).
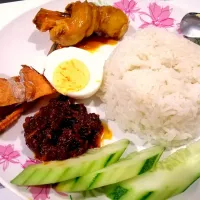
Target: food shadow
(4,76)
(131,30)
(14,135)
(35,106)
(92,101)
(92,194)
(41,41)
(25,150)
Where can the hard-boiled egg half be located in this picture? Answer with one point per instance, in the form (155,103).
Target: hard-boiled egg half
(74,72)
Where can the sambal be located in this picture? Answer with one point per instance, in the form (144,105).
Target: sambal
(62,129)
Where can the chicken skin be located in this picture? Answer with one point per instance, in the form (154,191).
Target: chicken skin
(80,20)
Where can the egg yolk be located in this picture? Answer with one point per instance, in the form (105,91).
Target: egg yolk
(70,76)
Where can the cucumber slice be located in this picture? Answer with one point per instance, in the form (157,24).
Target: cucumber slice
(57,171)
(132,165)
(170,177)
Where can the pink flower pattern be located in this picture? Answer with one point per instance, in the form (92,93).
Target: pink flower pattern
(157,16)
(128,6)
(42,192)
(38,193)
(30,161)
(8,155)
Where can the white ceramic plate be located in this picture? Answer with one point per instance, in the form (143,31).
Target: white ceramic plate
(21,43)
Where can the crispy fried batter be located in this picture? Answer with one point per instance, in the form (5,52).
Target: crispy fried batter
(81,19)
(36,85)
(6,93)
(30,85)
(11,118)
(6,110)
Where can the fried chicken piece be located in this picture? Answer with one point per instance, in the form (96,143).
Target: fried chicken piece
(82,19)
(69,31)
(28,86)
(112,22)
(8,120)
(46,19)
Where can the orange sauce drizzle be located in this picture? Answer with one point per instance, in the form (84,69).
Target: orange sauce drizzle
(93,42)
(107,133)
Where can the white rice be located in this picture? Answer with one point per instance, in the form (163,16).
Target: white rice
(152,86)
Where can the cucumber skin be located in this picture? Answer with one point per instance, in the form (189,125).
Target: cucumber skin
(138,163)
(57,171)
(165,181)
(159,190)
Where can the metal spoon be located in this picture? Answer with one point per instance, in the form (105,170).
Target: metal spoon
(190,25)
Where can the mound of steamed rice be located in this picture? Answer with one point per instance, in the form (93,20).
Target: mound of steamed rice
(151,86)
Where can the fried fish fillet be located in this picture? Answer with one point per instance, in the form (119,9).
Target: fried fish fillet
(28,86)
(36,85)
(7,96)
(16,91)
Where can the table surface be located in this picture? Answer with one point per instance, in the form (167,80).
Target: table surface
(13,10)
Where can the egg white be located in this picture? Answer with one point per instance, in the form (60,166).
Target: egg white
(94,63)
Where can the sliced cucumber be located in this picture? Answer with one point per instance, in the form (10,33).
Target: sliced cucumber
(170,177)
(57,171)
(134,164)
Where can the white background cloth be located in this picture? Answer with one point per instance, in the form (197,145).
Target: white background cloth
(8,12)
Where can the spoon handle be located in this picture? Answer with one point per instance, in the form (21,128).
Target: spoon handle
(195,40)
